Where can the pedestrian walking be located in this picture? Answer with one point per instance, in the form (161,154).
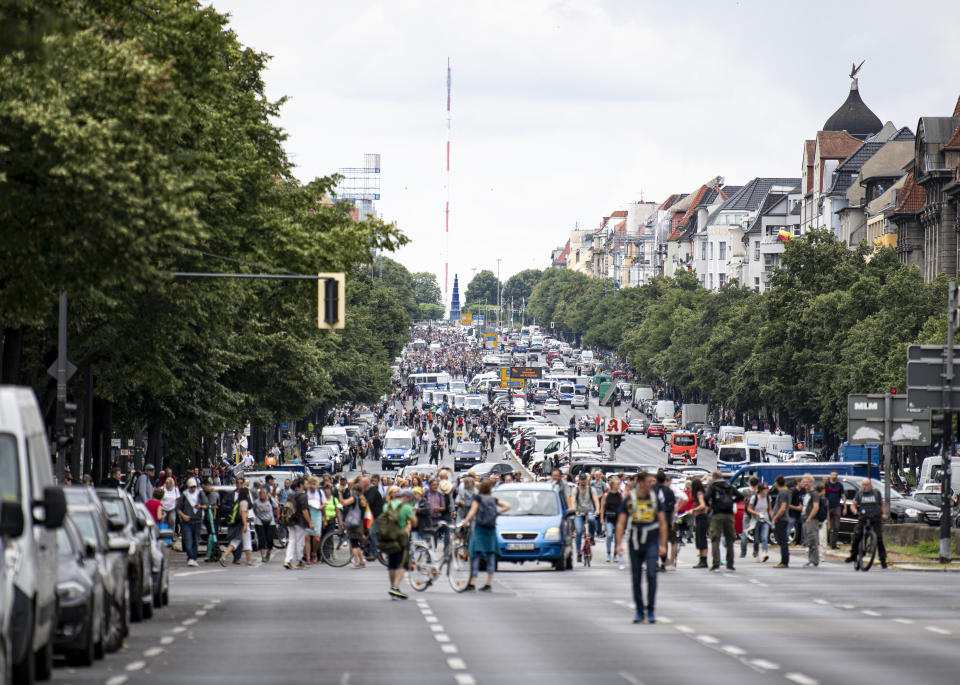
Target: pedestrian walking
(836,501)
(646,528)
(168,504)
(701,520)
(144,488)
(239,532)
(371,492)
(758,505)
(393,530)
(811,519)
(749,518)
(483,540)
(190,509)
(722,499)
(298,521)
(264,509)
(781,521)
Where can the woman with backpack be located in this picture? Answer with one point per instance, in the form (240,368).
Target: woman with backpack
(355,509)
(758,506)
(483,541)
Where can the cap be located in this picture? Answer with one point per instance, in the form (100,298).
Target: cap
(148,467)
(418,491)
(405,492)
(192,483)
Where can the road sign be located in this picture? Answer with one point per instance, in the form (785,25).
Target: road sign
(490,341)
(506,381)
(615,427)
(525,372)
(925,365)
(865,421)
(478,319)
(466,319)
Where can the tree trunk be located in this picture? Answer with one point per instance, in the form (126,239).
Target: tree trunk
(155,445)
(11,347)
(102,434)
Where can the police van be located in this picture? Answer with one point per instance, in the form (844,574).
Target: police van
(399,449)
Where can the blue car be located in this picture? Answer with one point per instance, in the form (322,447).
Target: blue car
(537,527)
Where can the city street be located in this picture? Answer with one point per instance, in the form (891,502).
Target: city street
(757,625)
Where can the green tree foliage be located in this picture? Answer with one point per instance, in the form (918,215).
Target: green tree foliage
(431,312)
(833,322)
(426,289)
(482,288)
(519,286)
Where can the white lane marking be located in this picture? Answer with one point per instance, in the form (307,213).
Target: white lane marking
(938,630)
(449,649)
(762,585)
(178,629)
(188,622)
(436,627)
(765,665)
(186,574)
(442,637)
(210,606)
(116,680)
(422,603)
(629,678)
(215,601)
(708,639)
(456,663)
(846,606)
(345,678)
(664,619)
(426,612)
(753,580)
(684,629)
(431,619)
(167,640)
(200,612)
(871,612)
(904,621)
(464,679)
(801,679)
(154,651)
(821,602)
(136,665)
(734,650)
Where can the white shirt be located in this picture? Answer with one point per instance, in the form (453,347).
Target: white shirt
(193,497)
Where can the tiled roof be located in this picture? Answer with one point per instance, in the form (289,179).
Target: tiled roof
(836,144)
(769,202)
(751,196)
(848,169)
(956,110)
(954,141)
(619,213)
(672,200)
(912,197)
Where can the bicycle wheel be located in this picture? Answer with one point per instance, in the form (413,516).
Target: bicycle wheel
(587,555)
(280,539)
(868,549)
(458,568)
(382,558)
(335,548)
(420,572)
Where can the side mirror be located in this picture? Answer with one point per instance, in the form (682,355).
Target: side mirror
(11,520)
(141,524)
(89,551)
(118,544)
(114,526)
(54,506)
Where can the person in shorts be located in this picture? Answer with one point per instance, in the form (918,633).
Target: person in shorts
(396,561)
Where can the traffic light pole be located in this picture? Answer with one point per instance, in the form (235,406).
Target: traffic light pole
(61,375)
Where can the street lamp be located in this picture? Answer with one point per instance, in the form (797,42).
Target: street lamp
(498,294)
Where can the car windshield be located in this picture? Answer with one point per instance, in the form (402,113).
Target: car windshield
(80,495)
(9,469)
(733,454)
(529,502)
(468,448)
(397,443)
(86,526)
(683,440)
(64,546)
(115,509)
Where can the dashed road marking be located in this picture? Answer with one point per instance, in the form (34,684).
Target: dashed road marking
(664,619)
(762,585)
(210,606)
(449,649)
(801,679)
(938,630)
(167,639)
(684,629)
(178,629)
(871,612)
(436,627)
(136,665)
(188,622)
(708,639)
(200,612)
(734,650)
(764,664)
(456,663)
(116,680)
(821,602)
(846,606)
(431,619)
(154,651)
(905,621)
(629,678)
(464,679)
(753,580)
(442,637)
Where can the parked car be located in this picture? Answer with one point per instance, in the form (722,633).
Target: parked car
(489,468)
(552,405)
(110,557)
(159,568)
(537,527)
(81,619)
(123,523)
(32,508)
(467,454)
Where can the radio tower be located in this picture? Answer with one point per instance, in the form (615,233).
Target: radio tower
(446,263)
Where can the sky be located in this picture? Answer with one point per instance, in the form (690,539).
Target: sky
(565,110)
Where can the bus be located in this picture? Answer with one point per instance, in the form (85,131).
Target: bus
(435,380)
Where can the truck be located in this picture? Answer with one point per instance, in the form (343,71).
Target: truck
(692,413)
(664,409)
(868,453)
(641,393)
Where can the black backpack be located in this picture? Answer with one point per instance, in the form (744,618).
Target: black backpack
(823,510)
(486,511)
(722,498)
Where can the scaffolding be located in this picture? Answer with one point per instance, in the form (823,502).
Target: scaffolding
(361,185)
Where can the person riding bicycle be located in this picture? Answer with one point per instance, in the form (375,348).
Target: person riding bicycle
(868,504)
(585,506)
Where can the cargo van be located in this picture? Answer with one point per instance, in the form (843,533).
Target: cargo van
(31,510)
(683,448)
(777,443)
(729,434)
(644,392)
(931,471)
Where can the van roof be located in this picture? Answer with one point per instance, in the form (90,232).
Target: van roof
(19,409)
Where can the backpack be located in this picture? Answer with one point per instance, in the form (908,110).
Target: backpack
(288,513)
(486,512)
(389,532)
(823,510)
(722,499)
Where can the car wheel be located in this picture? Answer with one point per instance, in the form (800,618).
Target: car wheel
(26,671)
(134,603)
(87,655)
(147,608)
(166,597)
(44,661)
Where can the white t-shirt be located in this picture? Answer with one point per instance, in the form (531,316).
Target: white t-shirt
(193,497)
(170,497)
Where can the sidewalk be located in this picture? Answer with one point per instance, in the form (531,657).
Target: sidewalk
(897,561)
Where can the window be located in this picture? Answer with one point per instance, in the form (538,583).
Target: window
(9,469)
(711,250)
(721,279)
(711,281)
(756,283)
(756,249)
(723,250)
(703,251)
(796,230)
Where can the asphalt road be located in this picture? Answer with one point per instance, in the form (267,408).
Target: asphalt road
(756,625)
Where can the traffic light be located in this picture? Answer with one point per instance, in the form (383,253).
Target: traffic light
(68,424)
(331,300)
(579,370)
(893,391)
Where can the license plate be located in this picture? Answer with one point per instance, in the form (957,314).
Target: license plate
(520,546)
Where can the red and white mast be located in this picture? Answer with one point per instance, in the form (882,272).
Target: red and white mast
(446,264)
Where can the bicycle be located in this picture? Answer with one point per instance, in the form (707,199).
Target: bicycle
(587,546)
(423,571)
(867,551)
(335,548)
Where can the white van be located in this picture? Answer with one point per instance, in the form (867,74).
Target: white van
(777,443)
(664,409)
(931,471)
(586,356)
(758,438)
(733,457)
(399,449)
(31,509)
(729,434)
